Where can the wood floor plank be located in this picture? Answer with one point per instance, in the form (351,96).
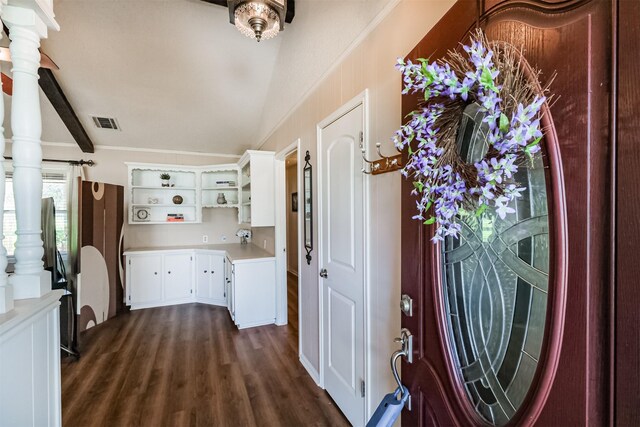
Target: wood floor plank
(188,365)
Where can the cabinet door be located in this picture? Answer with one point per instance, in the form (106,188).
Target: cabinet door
(216,282)
(177,277)
(203,276)
(145,279)
(254,293)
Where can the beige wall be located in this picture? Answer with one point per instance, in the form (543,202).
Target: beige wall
(292,219)
(370,65)
(110,168)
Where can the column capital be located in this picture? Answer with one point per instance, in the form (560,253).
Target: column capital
(36,15)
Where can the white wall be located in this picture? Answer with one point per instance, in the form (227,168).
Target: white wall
(370,64)
(110,168)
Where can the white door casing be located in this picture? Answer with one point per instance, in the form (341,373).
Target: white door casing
(281,235)
(342,255)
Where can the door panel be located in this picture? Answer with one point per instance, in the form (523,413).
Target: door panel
(341,225)
(342,338)
(340,202)
(203,275)
(216,284)
(146,275)
(177,278)
(570,384)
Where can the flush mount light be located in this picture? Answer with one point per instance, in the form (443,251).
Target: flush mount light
(258,19)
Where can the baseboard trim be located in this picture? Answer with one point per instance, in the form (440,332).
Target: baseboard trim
(310,370)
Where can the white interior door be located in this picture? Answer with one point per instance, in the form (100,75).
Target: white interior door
(342,256)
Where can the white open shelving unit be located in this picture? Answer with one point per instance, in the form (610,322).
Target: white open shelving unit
(203,187)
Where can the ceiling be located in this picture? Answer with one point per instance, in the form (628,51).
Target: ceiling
(176,75)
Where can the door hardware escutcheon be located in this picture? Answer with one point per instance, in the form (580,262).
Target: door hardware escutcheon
(406,305)
(323,273)
(406,341)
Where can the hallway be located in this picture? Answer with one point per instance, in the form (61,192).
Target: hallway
(187,365)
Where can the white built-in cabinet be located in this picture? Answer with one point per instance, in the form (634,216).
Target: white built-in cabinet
(247,186)
(151,201)
(253,293)
(247,287)
(217,181)
(257,186)
(159,279)
(210,278)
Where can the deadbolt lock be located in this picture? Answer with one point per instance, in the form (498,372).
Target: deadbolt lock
(406,305)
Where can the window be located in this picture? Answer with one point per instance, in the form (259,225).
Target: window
(496,280)
(54,185)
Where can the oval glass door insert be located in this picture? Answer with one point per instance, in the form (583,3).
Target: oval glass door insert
(495,278)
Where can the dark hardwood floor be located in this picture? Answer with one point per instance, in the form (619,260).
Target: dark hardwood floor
(292,305)
(188,365)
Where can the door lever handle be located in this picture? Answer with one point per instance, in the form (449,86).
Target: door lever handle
(323,273)
(406,344)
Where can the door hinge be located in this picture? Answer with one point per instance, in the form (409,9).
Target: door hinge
(361,137)
(191,291)
(129,297)
(190,258)
(362,388)
(129,262)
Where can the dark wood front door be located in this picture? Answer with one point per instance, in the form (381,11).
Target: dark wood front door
(535,346)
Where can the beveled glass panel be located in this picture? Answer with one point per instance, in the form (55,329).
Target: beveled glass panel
(496,279)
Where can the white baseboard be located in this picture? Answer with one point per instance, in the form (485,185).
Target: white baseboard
(310,370)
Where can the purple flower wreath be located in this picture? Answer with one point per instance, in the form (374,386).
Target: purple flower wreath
(512,108)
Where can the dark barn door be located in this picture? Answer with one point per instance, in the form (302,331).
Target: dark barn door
(512,323)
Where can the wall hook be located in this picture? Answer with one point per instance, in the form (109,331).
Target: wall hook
(383,165)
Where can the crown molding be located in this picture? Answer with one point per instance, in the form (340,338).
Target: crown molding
(136,149)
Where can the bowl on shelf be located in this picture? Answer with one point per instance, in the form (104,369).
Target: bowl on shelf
(177,199)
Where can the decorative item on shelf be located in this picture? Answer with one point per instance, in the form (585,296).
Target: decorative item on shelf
(493,87)
(165,177)
(244,235)
(225,183)
(177,199)
(141,214)
(153,200)
(222,200)
(176,217)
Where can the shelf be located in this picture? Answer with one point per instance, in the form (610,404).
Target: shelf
(142,187)
(220,188)
(247,184)
(246,204)
(164,222)
(226,205)
(158,205)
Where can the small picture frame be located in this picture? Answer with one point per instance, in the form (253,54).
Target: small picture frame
(294,202)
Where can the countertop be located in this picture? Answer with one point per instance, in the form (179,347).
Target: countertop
(235,251)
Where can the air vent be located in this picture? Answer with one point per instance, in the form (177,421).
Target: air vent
(105,123)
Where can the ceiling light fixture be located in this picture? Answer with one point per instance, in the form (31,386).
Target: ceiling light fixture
(258,19)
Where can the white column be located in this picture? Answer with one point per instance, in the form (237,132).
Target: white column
(6,291)
(26,23)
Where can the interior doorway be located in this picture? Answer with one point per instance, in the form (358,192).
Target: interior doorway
(287,239)
(292,255)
